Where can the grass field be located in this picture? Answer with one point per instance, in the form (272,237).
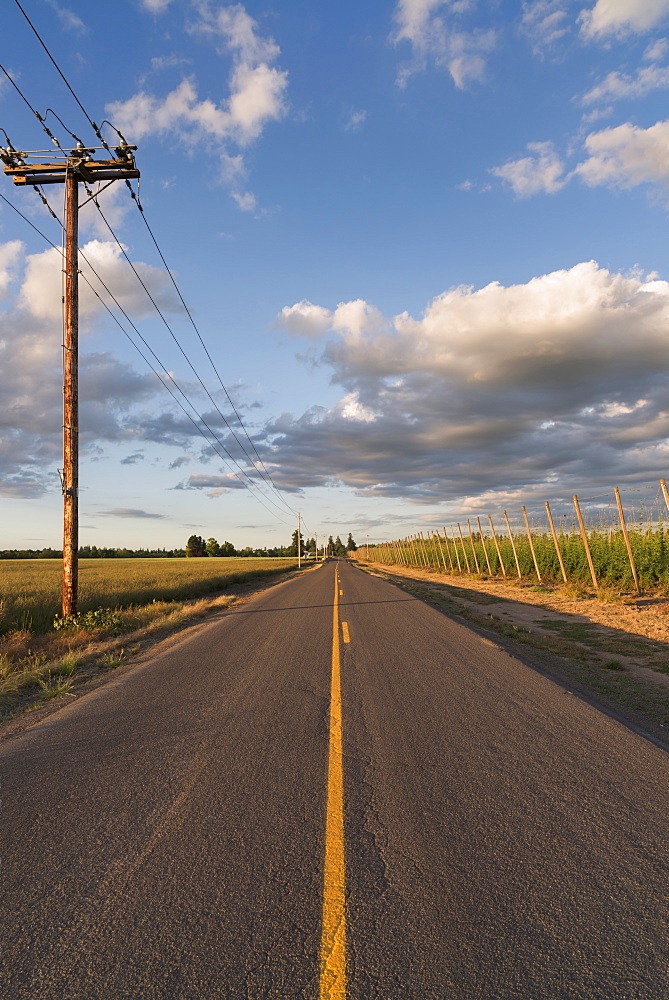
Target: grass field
(30,588)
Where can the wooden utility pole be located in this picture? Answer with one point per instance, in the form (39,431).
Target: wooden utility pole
(78,166)
(70,477)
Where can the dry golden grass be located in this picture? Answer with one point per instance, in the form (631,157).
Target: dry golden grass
(30,588)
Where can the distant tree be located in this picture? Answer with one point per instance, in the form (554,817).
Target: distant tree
(331,546)
(350,544)
(293,545)
(339,547)
(196,546)
(213,548)
(228,549)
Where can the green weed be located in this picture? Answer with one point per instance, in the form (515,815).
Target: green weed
(110,661)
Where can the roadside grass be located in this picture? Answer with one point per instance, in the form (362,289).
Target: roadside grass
(109,661)
(39,664)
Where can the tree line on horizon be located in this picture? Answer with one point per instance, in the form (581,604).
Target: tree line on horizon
(196,546)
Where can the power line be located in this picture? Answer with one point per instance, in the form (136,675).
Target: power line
(227,423)
(42,120)
(97,131)
(212,443)
(63,77)
(177,342)
(135,197)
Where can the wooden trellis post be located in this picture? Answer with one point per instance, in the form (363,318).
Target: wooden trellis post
(448,549)
(513,544)
(441,549)
(471,542)
(478,521)
(586,546)
(499,554)
(665,494)
(555,541)
(463,547)
(621,515)
(529,538)
(455,547)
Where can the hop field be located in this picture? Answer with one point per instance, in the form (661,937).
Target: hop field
(480,553)
(30,588)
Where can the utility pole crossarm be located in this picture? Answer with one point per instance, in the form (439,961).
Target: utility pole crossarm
(90,171)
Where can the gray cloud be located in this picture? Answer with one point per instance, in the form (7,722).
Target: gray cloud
(495,390)
(130,512)
(117,404)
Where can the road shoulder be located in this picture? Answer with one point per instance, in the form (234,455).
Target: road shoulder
(623,672)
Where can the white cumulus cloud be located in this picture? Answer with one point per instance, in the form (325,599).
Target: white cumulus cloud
(256,95)
(434,31)
(618,86)
(621,157)
(622,17)
(626,156)
(543,172)
(112,394)
(10,256)
(304,319)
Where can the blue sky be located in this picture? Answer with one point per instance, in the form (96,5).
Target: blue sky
(424,241)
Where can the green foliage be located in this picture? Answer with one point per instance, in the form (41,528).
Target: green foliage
(110,661)
(196,546)
(105,618)
(292,549)
(53,685)
(350,544)
(213,548)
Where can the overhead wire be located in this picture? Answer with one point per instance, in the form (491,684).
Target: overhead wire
(216,442)
(176,341)
(63,77)
(135,197)
(98,133)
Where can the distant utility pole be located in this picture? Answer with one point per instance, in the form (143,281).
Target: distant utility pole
(79,166)
(299,546)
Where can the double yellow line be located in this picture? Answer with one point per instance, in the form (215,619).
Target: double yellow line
(333,936)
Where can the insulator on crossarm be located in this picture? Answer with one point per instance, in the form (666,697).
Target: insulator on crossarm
(123,150)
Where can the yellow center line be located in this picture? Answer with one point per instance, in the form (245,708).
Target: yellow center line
(344,629)
(333,936)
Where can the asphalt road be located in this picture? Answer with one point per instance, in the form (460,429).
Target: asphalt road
(164,836)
